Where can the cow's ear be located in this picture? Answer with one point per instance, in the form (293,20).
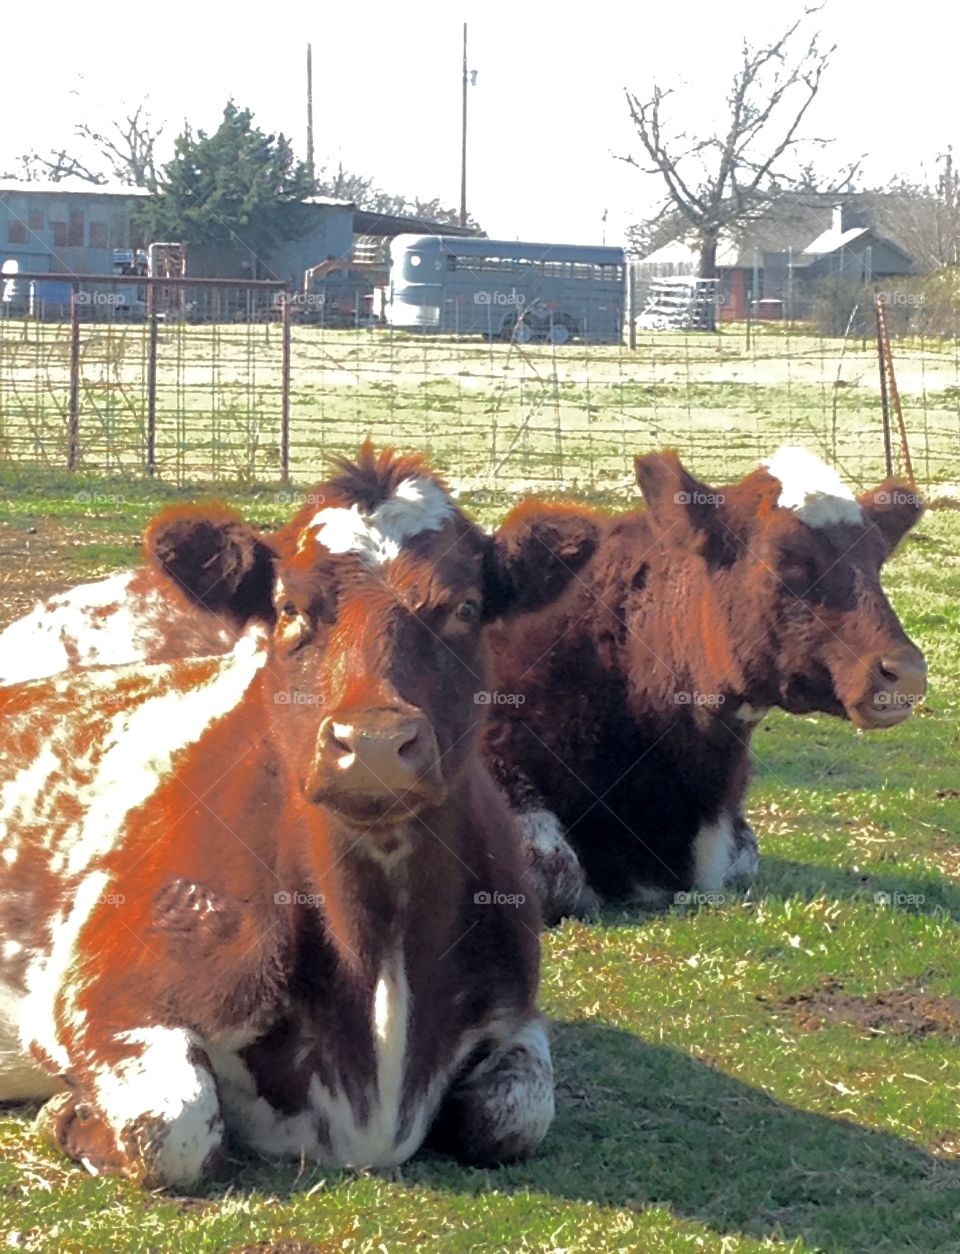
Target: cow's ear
(894,508)
(533,556)
(213,560)
(676,501)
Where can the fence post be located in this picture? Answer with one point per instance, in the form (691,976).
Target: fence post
(152,393)
(632,303)
(73,412)
(884,400)
(285,391)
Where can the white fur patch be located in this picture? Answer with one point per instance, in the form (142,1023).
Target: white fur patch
(417,505)
(714,853)
(95,618)
(554,870)
(353,1142)
(752,715)
(137,755)
(812,489)
(159,1082)
(21,1079)
(513,1090)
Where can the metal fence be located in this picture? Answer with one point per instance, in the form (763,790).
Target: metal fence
(224,381)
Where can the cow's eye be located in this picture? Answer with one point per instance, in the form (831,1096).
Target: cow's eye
(799,575)
(289,610)
(468,611)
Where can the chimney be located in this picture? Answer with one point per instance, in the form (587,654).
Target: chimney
(838,223)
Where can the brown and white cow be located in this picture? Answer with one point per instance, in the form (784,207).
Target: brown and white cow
(135,616)
(631,701)
(273,898)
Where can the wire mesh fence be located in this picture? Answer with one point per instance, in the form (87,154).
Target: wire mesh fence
(234,388)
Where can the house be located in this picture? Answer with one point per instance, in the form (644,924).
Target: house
(777,259)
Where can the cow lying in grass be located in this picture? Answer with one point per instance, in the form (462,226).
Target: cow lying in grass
(272,898)
(637,692)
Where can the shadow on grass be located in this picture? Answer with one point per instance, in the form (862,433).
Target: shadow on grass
(780,878)
(646,1125)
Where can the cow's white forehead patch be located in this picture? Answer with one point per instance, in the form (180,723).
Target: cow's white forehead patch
(417,505)
(812,489)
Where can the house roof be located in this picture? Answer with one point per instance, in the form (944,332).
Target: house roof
(830,240)
(329,202)
(76,186)
(368,222)
(71,186)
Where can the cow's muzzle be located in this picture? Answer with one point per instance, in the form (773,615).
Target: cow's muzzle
(376,766)
(898,681)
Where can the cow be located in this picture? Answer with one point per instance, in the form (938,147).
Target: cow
(630,701)
(135,615)
(271,899)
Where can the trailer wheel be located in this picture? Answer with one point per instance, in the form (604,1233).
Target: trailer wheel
(518,330)
(561,331)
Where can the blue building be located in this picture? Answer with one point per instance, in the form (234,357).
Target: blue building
(74,227)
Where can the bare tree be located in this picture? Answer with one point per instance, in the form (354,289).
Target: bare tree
(718,180)
(52,167)
(924,217)
(126,148)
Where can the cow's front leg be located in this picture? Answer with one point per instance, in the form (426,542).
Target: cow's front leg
(500,1107)
(553,870)
(147,1109)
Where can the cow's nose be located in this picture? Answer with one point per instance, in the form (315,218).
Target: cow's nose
(372,755)
(900,681)
(904,672)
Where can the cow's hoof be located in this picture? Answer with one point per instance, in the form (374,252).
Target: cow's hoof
(588,905)
(746,853)
(71,1125)
(51,1117)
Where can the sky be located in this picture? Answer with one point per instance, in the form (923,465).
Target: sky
(547,117)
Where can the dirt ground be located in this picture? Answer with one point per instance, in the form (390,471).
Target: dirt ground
(901,1011)
(35,561)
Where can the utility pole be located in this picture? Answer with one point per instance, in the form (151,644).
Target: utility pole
(310,170)
(463,139)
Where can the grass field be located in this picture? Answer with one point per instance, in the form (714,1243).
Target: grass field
(498,417)
(779,1071)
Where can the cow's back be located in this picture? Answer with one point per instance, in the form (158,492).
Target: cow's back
(132,616)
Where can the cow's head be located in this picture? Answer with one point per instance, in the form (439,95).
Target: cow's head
(376,598)
(792,559)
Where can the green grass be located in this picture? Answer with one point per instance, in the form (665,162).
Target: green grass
(696,1110)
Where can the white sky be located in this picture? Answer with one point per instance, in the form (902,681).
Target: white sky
(545,116)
